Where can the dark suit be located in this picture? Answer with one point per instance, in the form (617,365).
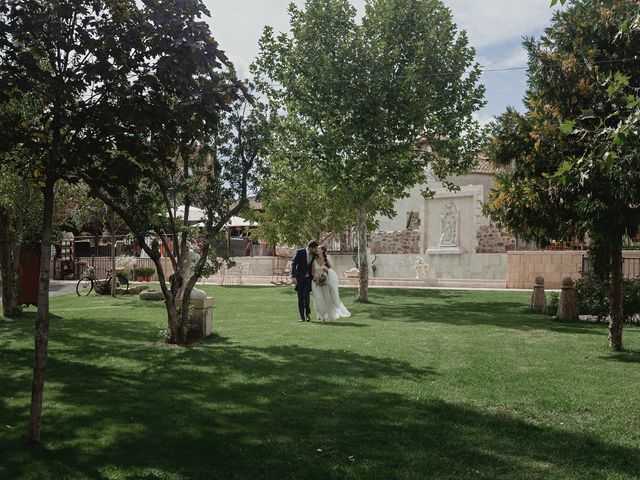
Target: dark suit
(301,271)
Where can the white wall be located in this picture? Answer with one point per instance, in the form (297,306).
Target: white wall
(487,266)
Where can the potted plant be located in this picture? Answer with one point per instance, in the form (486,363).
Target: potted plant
(144,274)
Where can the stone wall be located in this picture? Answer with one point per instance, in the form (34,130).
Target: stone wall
(493,239)
(469,266)
(524,267)
(396,242)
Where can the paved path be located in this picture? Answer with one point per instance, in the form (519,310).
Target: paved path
(59,287)
(62,287)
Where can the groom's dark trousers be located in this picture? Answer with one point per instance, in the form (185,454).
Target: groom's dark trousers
(304,297)
(301,271)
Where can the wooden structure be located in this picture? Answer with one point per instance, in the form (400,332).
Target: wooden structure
(29,286)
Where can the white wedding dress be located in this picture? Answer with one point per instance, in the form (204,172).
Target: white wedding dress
(326,299)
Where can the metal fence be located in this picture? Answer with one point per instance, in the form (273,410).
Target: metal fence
(103,265)
(630,267)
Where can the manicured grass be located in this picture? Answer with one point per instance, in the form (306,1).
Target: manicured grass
(416,385)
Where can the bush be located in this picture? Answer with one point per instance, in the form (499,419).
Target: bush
(164,335)
(553,303)
(144,271)
(593,298)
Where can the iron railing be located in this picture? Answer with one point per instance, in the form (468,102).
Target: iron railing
(630,267)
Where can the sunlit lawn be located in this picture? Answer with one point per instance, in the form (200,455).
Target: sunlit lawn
(416,385)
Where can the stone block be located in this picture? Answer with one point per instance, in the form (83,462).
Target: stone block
(151,295)
(202,316)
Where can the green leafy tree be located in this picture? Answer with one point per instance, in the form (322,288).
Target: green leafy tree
(296,204)
(196,142)
(573,158)
(355,99)
(69,59)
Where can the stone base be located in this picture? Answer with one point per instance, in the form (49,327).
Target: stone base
(202,315)
(151,295)
(444,251)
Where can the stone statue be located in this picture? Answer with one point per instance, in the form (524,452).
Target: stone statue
(187,272)
(449,226)
(421,268)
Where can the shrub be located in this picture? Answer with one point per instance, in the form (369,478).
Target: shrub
(593,298)
(164,335)
(144,271)
(553,303)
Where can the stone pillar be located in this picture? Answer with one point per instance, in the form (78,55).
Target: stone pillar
(568,308)
(202,315)
(538,297)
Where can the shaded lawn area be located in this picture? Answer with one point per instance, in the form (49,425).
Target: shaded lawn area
(417,384)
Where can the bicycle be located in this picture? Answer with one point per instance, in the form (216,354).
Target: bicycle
(87,283)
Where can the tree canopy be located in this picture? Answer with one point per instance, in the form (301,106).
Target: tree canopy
(572,160)
(354,99)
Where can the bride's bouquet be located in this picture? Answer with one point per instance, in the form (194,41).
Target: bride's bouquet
(321,279)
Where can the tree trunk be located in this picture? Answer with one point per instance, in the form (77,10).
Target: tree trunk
(8,267)
(363,261)
(42,318)
(616,297)
(169,299)
(114,276)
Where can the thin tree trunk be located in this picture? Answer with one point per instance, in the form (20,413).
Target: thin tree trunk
(8,267)
(363,261)
(169,298)
(616,297)
(114,277)
(42,319)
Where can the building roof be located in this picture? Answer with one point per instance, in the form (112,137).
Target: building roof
(483,166)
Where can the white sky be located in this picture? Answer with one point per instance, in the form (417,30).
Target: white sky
(495,29)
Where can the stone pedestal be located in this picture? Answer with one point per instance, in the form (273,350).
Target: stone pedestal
(202,315)
(538,297)
(568,308)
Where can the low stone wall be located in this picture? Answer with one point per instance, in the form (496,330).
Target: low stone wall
(524,267)
(395,242)
(462,266)
(493,239)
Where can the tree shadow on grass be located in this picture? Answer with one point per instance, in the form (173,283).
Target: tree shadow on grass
(464,308)
(626,356)
(284,412)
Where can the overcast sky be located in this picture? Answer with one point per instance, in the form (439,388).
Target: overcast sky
(495,29)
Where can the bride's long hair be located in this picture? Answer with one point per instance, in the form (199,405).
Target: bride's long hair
(326,257)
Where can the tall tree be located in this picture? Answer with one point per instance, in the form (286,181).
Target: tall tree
(355,99)
(573,158)
(72,57)
(193,139)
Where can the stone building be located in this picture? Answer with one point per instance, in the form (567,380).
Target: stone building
(449,232)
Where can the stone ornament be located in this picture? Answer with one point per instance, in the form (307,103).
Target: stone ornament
(449,226)
(421,268)
(538,297)
(568,308)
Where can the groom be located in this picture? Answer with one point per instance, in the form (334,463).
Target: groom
(301,276)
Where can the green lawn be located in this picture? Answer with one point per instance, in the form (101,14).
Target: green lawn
(416,385)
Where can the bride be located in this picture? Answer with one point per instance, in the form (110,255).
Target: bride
(326,299)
